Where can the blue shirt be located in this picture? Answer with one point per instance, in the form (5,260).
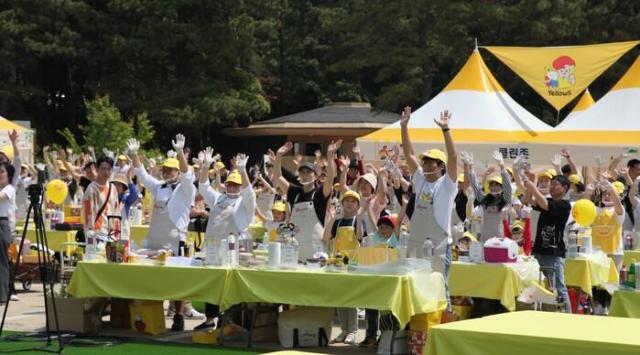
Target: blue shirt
(391,241)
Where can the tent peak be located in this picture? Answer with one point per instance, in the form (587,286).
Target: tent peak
(474,76)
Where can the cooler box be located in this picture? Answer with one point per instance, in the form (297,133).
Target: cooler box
(147,317)
(305,327)
(500,250)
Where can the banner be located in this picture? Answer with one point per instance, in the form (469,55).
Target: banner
(560,74)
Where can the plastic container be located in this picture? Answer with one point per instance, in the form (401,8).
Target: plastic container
(631,275)
(232,250)
(427,248)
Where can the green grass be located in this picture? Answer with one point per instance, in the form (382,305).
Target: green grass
(125,347)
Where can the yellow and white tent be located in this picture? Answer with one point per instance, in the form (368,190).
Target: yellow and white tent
(25,141)
(607,128)
(586,101)
(485,118)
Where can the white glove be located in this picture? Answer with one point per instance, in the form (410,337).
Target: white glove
(40,166)
(217,157)
(208,156)
(54,155)
(178,144)
(497,156)
(107,153)
(466,157)
(241,161)
(172,154)
(133,146)
(556,160)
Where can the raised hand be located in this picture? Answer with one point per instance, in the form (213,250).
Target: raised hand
(556,161)
(40,166)
(171,154)
(284,149)
(13,136)
(333,148)
(356,152)
(297,159)
(466,157)
(344,161)
(207,156)
(565,153)
(444,120)
(133,145)
(525,212)
(406,116)
(178,144)
(271,155)
(241,161)
(497,156)
(108,153)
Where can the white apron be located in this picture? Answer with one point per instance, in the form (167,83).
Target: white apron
(423,225)
(310,230)
(221,220)
(163,234)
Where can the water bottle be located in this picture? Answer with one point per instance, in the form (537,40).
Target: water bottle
(427,248)
(623,277)
(224,252)
(403,244)
(90,248)
(265,241)
(572,248)
(233,250)
(211,252)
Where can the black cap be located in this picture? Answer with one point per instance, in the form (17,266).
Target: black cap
(307,165)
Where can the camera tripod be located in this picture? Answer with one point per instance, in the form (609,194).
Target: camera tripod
(46,268)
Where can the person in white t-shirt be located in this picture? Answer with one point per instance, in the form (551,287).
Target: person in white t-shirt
(7,206)
(435,187)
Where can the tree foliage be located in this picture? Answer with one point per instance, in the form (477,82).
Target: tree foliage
(200,65)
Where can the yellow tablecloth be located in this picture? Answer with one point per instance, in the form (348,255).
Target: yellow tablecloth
(535,333)
(625,303)
(493,281)
(54,238)
(629,255)
(148,282)
(586,274)
(403,295)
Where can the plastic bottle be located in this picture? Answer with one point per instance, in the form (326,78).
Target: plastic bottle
(427,248)
(233,250)
(265,241)
(212,252)
(224,252)
(90,248)
(403,244)
(631,275)
(623,277)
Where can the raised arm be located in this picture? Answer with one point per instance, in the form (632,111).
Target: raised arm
(407,147)
(17,159)
(506,180)
(178,145)
(565,153)
(277,166)
(537,196)
(452,155)
(327,186)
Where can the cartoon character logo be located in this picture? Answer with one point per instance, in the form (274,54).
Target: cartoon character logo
(562,74)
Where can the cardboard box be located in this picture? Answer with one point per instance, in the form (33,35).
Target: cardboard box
(147,317)
(120,317)
(265,327)
(78,315)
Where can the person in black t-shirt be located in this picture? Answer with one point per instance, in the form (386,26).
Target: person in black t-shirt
(549,247)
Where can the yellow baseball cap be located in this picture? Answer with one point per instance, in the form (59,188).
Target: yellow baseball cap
(171,163)
(8,151)
(122,157)
(517,224)
(618,187)
(510,171)
(234,177)
(574,179)
(279,207)
(469,236)
(196,166)
(547,174)
(460,177)
(218,165)
(436,154)
(352,194)
(496,178)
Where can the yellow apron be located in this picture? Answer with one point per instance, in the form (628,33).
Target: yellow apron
(606,231)
(346,238)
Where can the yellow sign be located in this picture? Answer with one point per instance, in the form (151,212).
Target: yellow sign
(560,74)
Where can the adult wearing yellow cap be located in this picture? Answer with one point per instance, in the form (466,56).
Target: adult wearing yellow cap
(173,197)
(490,205)
(308,203)
(607,228)
(122,166)
(434,182)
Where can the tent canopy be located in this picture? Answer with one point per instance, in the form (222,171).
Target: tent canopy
(484,117)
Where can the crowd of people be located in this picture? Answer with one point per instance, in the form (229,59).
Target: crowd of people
(336,201)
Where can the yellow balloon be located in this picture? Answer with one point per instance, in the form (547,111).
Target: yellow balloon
(584,212)
(57,191)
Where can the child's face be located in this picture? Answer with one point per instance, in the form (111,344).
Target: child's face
(385,230)
(350,205)
(278,216)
